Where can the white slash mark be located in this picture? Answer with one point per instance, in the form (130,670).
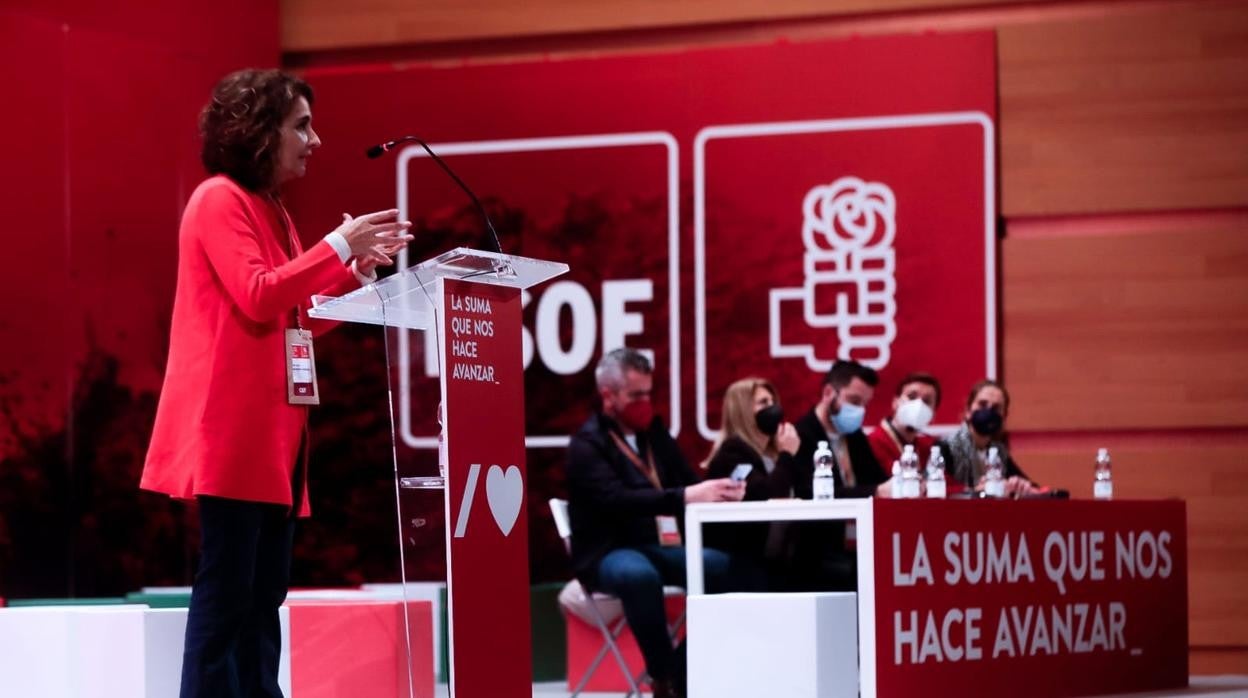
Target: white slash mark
(465,505)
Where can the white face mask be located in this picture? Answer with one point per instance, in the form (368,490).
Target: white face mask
(914,414)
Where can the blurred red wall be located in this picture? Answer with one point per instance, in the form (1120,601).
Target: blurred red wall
(100,154)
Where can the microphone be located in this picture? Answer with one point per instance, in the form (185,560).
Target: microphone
(383,148)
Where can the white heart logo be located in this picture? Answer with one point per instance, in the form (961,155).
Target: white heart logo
(505,492)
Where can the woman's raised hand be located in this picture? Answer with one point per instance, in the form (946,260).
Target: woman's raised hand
(375,235)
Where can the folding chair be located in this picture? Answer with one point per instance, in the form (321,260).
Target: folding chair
(610,632)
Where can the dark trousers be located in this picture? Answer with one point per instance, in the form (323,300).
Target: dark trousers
(636,576)
(233,638)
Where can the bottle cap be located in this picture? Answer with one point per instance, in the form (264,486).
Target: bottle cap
(822,445)
(1102,453)
(908,448)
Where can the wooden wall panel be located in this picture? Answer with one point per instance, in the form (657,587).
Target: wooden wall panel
(1105,106)
(1218,662)
(310,25)
(1214,482)
(1128,331)
(1128,112)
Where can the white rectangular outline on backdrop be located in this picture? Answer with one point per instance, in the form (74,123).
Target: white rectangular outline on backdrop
(787,128)
(523,145)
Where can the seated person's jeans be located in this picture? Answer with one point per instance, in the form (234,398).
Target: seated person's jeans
(637,576)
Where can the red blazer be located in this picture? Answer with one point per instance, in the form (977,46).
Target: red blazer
(223,425)
(887,448)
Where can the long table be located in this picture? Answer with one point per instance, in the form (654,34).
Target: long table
(1029,598)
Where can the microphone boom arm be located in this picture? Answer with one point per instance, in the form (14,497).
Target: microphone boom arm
(380,149)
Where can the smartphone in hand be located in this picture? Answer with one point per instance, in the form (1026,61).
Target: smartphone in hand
(741,472)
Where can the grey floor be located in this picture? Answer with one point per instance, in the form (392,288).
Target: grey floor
(1214,686)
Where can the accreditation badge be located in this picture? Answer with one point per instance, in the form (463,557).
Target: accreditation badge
(669,532)
(300,369)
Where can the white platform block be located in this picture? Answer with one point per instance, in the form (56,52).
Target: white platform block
(72,651)
(165,632)
(283,664)
(163,591)
(129,651)
(790,645)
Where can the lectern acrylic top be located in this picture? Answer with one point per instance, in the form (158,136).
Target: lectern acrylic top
(403,299)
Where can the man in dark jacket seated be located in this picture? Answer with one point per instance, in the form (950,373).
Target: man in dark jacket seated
(820,557)
(627,488)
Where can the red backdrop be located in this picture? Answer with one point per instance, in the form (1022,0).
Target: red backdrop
(105,139)
(100,155)
(609,164)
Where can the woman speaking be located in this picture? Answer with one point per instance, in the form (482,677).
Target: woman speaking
(231,426)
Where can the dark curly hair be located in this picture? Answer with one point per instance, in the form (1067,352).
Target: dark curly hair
(241,126)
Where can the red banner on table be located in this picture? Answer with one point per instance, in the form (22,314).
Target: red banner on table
(1030,598)
(487,521)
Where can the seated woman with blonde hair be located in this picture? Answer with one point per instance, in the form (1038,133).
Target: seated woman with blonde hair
(754,432)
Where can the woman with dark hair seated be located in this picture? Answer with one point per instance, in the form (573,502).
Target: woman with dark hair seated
(231,426)
(982,432)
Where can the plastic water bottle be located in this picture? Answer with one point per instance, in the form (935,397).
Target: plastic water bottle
(936,474)
(1103,486)
(910,488)
(895,489)
(994,475)
(824,485)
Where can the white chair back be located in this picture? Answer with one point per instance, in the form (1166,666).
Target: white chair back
(563,522)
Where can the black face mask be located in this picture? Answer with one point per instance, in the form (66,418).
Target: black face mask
(986,421)
(768,419)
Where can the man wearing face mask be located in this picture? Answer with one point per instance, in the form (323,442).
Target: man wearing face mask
(983,427)
(837,418)
(918,396)
(818,551)
(628,485)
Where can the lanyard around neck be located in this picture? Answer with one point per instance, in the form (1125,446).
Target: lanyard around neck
(647,468)
(292,245)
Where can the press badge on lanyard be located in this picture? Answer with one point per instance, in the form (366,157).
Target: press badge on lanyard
(300,368)
(300,361)
(669,532)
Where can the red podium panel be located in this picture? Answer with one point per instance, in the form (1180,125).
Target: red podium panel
(1030,598)
(470,300)
(487,520)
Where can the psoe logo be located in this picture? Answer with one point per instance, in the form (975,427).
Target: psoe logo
(849,267)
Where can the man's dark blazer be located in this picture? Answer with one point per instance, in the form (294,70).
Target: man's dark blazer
(611,502)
